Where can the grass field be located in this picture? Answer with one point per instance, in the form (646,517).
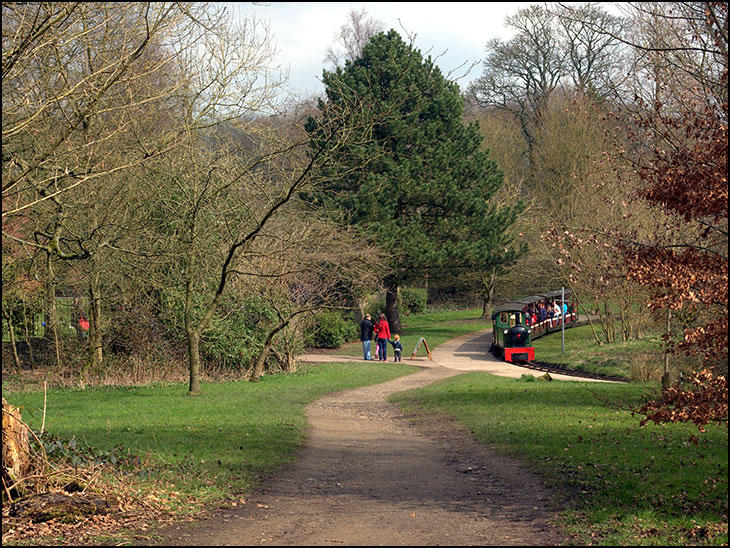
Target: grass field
(207,447)
(635,360)
(619,484)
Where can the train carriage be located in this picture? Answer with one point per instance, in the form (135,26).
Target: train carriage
(514,330)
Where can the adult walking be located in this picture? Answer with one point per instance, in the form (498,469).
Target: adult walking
(366,335)
(383,338)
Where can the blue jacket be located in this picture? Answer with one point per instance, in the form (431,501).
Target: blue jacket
(397,346)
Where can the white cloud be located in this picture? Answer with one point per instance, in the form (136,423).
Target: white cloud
(302,31)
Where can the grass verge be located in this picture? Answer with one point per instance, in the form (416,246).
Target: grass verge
(203,449)
(632,360)
(618,484)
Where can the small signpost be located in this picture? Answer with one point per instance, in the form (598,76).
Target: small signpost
(562,316)
(421,340)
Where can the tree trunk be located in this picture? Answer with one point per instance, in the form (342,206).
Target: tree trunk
(391,308)
(665,375)
(95,334)
(598,340)
(16,451)
(358,308)
(11,329)
(194,362)
(29,326)
(193,333)
(51,314)
(610,327)
(489,284)
(285,359)
(258,368)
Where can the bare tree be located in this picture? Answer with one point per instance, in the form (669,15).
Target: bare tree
(554,49)
(220,194)
(593,51)
(352,37)
(521,74)
(305,264)
(87,94)
(68,66)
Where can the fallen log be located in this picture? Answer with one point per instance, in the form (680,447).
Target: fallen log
(66,508)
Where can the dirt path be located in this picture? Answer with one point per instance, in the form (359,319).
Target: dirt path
(370,476)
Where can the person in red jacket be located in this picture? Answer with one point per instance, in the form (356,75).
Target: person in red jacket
(383,338)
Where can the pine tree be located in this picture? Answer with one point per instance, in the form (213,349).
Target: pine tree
(417,180)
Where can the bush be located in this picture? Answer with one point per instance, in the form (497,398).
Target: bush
(234,336)
(412,300)
(332,330)
(645,367)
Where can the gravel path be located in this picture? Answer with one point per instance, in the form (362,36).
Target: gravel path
(371,476)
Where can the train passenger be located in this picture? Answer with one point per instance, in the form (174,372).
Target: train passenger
(533,318)
(565,309)
(543,312)
(556,306)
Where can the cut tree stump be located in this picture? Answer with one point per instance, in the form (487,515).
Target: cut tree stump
(16,451)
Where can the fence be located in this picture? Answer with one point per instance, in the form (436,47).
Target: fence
(32,322)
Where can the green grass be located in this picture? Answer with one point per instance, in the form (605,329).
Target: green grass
(225,440)
(620,484)
(640,358)
(206,447)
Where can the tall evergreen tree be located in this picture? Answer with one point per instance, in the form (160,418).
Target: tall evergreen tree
(416,181)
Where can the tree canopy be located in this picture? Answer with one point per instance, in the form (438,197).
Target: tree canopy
(417,181)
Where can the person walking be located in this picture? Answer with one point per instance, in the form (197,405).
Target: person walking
(376,328)
(397,347)
(366,335)
(383,338)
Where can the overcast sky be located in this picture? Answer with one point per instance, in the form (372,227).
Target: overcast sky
(302,31)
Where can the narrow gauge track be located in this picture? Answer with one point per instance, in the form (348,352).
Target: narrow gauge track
(562,370)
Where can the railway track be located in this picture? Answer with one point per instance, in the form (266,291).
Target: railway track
(563,370)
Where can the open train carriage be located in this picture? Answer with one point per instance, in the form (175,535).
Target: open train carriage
(551,325)
(514,330)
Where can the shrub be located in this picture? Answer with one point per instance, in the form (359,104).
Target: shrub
(332,329)
(236,333)
(412,300)
(645,367)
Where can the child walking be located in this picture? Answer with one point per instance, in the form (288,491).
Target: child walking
(397,347)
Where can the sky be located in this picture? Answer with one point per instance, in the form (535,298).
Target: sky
(455,32)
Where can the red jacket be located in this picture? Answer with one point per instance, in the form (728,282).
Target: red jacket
(383,330)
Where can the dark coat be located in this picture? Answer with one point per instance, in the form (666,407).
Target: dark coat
(366,330)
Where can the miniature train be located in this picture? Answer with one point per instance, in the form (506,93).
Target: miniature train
(517,323)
